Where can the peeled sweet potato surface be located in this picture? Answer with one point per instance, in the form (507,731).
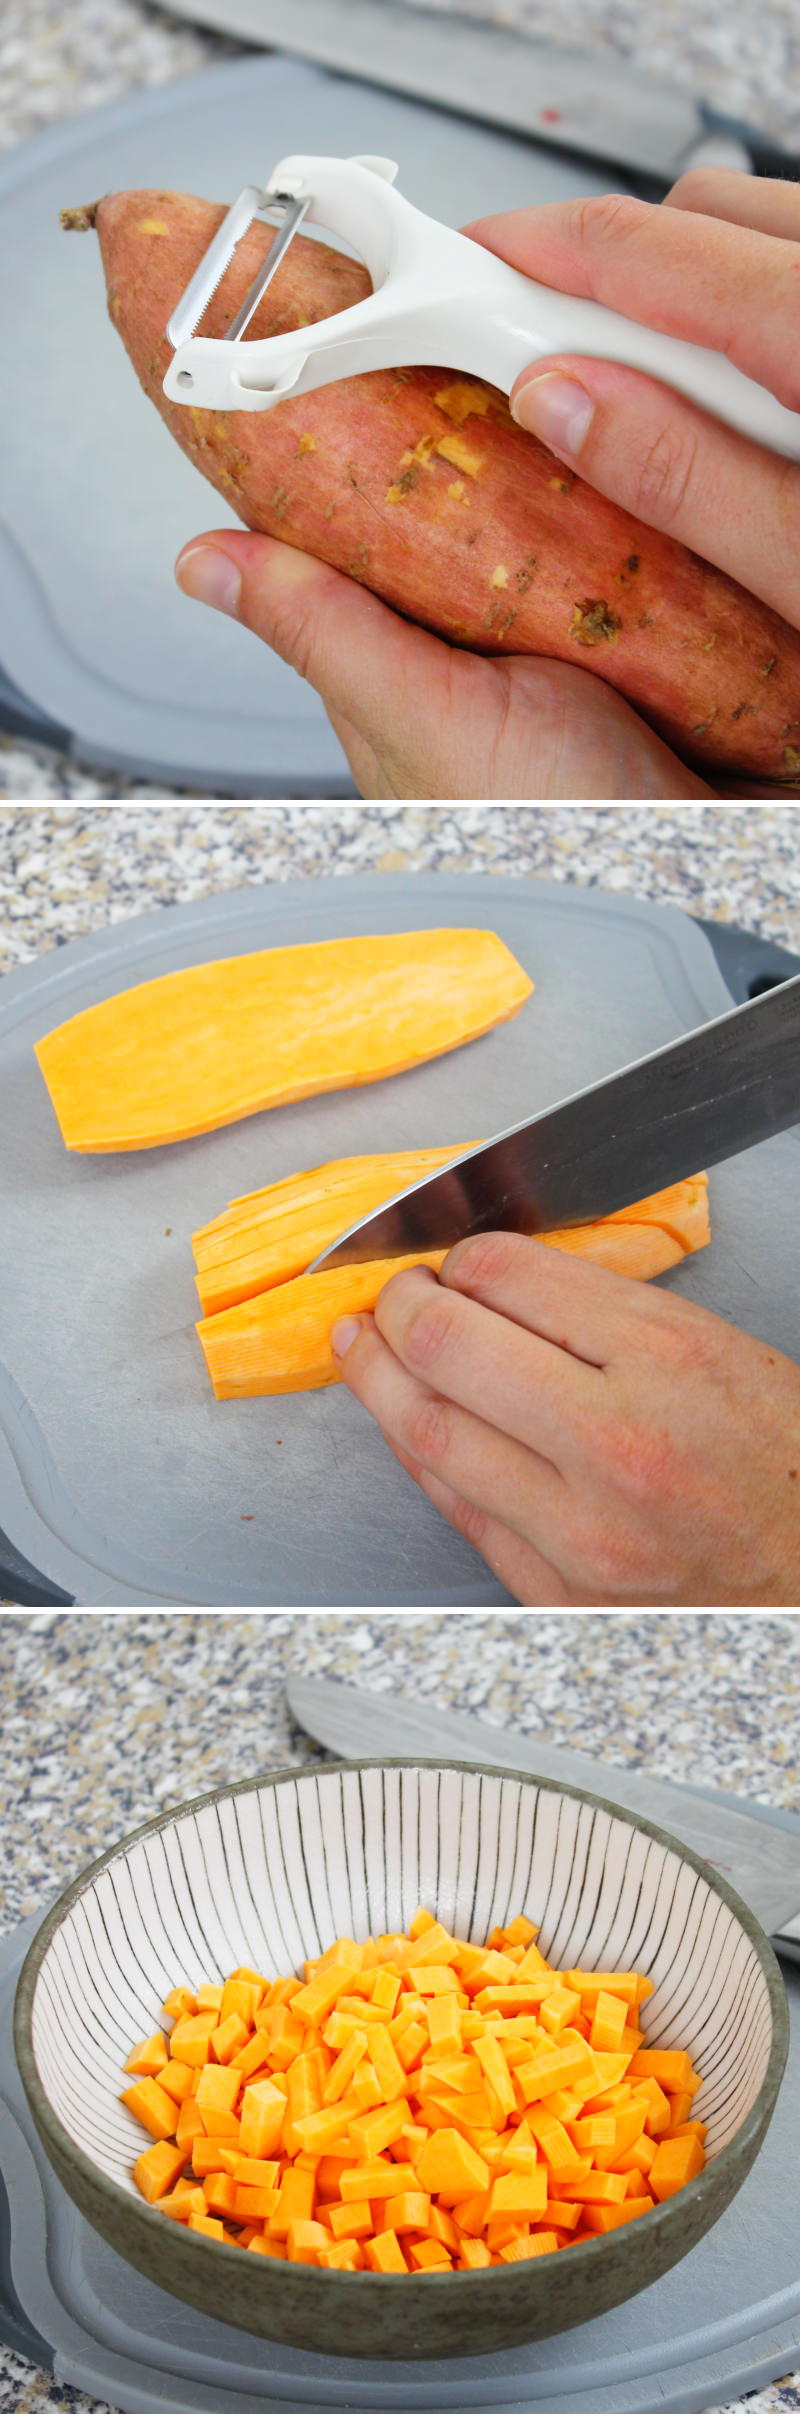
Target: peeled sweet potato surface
(417,483)
(213,1042)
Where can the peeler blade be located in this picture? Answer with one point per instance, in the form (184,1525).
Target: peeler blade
(295,213)
(278,210)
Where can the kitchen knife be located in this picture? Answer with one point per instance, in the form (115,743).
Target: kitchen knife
(761,1860)
(720,1089)
(596,104)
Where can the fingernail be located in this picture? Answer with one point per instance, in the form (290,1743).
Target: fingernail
(210,577)
(344,1334)
(557,410)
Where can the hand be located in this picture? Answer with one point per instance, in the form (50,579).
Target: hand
(717,263)
(601,1442)
(417,717)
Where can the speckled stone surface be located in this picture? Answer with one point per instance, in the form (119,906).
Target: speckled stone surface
(65,870)
(108,1720)
(56,61)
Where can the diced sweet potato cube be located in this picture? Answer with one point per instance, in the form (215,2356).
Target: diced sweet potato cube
(177,2003)
(177,2080)
(407,2212)
(677,2160)
(228,2038)
(150,2105)
(262,2117)
(604,2217)
(672,2070)
(147,2059)
(523,2250)
(253,2204)
(345,2256)
(372,2131)
(374,2180)
(156,2170)
(429,2255)
(304,2240)
(219,2191)
(190,2123)
(190,2037)
(608,2022)
(295,2202)
(449,2167)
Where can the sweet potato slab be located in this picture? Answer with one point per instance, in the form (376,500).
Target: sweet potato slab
(214,1042)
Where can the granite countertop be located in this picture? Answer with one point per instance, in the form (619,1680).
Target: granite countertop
(67,869)
(55,62)
(109,1720)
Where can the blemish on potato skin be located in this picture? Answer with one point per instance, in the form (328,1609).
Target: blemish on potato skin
(152,226)
(593,623)
(307,444)
(499,577)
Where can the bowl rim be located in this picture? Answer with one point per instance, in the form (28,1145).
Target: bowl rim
(55,2135)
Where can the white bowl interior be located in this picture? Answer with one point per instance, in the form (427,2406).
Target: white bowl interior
(270,1876)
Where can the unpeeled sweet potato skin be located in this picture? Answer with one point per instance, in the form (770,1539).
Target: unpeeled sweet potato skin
(417,483)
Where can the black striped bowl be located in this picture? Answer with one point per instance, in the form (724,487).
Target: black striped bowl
(267,1874)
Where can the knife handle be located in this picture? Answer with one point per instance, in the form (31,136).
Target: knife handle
(749,964)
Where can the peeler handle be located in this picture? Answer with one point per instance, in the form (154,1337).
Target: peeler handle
(521,321)
(441,298)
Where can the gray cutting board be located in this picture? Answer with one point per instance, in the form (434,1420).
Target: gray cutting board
(726,2319)
(97,499)
(121,1478)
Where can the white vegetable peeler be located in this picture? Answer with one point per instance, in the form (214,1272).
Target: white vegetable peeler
(437,298)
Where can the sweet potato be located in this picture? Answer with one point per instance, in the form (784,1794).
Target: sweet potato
(417,483)
(275,1336)
(208,1044)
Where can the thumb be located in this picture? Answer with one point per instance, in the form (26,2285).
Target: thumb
(371,669)
(671,465)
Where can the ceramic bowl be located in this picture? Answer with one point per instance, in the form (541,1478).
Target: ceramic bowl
(266,1874)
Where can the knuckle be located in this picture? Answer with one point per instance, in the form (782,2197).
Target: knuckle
(621,1562)
(471,1522)
(293,635)
(642,1460)
(685,1340)
(665,475)
(606,218)
(481,1261)
(429,1431)
(428,1335)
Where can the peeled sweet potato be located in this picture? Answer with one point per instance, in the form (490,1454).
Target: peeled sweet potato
(418,483)
(211,1043)
(273,1333)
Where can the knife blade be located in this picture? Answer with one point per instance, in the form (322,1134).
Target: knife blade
(572,100)
(761,1861)
(715,1091)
